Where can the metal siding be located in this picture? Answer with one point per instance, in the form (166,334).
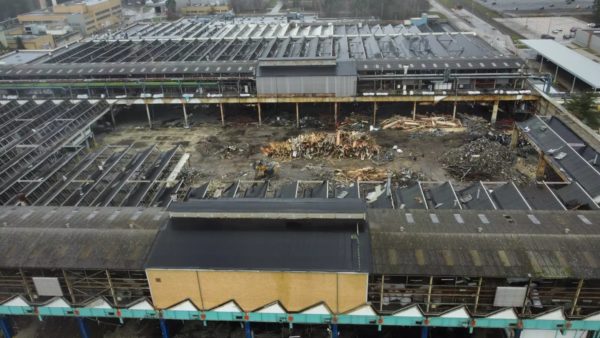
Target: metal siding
(340,86)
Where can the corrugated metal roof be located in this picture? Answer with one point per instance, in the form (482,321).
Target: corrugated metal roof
(77,238)
(578,65)
(499,244)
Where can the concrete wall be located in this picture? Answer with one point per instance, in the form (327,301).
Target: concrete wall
(254,289)
(339,86)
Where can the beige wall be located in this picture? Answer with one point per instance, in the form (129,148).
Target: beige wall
(254,289)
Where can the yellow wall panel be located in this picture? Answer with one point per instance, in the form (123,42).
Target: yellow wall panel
(254,289)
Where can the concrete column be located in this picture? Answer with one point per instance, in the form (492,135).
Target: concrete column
(222,114)
(185,117)
(259,109)
(112,118)
(495,112)
(335,114)
(297,115)
(148,114)
(540,171)
(454,110)
(414,112)
(374,113)
(555,75)
(514,140)
(164,329)
(5,327)
(573,85)
(541,64)
(83,329)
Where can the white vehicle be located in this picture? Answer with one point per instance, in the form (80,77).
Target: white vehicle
(145,95)
(83,96)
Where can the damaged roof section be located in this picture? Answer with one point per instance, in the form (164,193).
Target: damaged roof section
(485,243)
(562,156)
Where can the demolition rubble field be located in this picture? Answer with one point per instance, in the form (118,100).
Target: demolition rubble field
(353,153)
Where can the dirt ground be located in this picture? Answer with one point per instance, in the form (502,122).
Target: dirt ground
(226,154)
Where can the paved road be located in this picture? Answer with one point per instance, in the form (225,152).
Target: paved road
(528,5)
(275,10)
(464,20)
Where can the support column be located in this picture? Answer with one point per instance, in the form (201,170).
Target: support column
(335,333)
(495,112)
(222,114)
(297,115)
(26,285)
(259,108)
(335,114)
(148,114)
(541,64)
(573,85)
(112,289)
(424,331)
(69,287)
(514,140)
(247,330)
(414,112)
(83,329)
(112,118)
(5,327)
(374,113)
(429,294)
(555,75)
(541,167)
(164,329)
(576,298)
(185,117)
(454,110)
(477,297)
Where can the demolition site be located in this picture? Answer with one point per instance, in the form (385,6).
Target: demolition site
(260,179)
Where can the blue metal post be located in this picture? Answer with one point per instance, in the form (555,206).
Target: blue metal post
(83,329)
(424,331)
(518,333)
(334,331)
(5,327)
(164,329)
(247,329)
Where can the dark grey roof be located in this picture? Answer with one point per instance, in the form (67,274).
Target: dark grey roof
(507,196)
(442,197)
(77,238)
(475,197)
(410,197)
(540,197)
(573,164)
(486,243)
(309,207)
(249,243)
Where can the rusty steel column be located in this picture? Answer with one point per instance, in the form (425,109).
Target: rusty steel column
(148,115)
(414,112)
(495,112)
(454,111)
(185,117)
(576,298)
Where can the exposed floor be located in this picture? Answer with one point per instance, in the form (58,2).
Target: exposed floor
(226,154)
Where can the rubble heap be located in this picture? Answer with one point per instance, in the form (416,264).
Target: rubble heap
(313,145)
(421,122)
(481,159)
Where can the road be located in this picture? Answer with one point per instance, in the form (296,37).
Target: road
(464,20)
(529,5)
(275,10)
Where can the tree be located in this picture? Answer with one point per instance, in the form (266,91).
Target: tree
(584,107)
(596,11)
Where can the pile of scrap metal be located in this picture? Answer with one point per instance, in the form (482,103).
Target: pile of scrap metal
(365,174)
(481,159)
(336,145)
(421,122)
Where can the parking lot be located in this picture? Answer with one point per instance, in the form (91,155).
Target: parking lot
(535,27)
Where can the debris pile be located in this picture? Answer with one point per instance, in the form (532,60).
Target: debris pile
(481,159)
(363,174)
(313,145)
(354,123)
(421,122)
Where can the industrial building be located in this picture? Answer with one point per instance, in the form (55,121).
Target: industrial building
(111,231)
